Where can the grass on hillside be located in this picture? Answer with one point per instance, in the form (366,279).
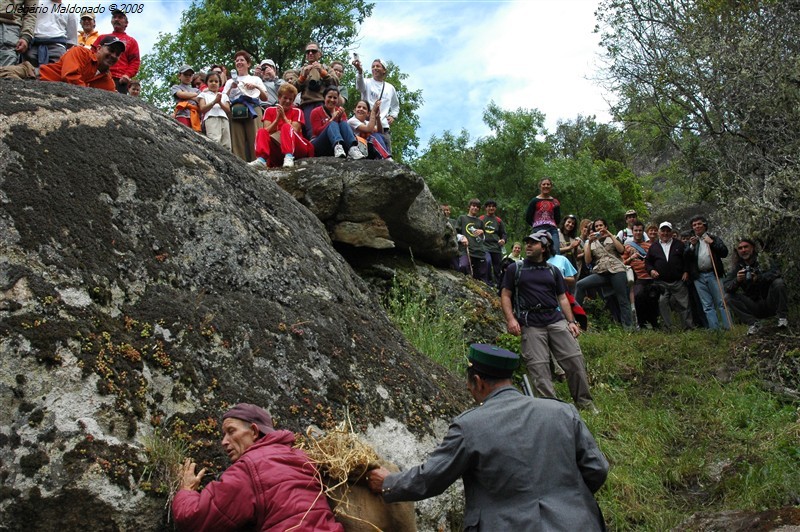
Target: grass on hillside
(685,427)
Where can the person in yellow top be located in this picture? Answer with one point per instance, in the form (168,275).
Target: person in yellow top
(89,34)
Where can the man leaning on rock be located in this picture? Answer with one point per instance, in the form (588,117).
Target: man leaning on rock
(270,485)
(80,66)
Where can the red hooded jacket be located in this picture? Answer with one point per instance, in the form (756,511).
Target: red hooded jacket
(272,486)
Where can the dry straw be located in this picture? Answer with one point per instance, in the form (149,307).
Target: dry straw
(340,457)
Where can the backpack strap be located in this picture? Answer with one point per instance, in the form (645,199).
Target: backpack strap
(518,274)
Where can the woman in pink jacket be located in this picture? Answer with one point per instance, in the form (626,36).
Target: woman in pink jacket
(270,486)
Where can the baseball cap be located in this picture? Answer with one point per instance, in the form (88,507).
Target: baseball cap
(269,62)
(662,225)
(87,14)
(539,236)
(630,212)
(110,40)
(251,414)
(185,68)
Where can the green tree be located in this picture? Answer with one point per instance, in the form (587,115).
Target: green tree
(719,81)
(507,165)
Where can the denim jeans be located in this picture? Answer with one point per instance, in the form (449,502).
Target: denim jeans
(618,282)
(711,299)
(334,133)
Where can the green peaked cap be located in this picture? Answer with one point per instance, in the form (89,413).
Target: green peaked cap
(492,360)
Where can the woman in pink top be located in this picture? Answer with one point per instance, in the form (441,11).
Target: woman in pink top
(544,212)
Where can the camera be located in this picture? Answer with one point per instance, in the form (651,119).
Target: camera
(749,271)
(598,234)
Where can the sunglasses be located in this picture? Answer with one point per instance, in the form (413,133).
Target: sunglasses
(311,51)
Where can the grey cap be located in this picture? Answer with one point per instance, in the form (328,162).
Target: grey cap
(185,68)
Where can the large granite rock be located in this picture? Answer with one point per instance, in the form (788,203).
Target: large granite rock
(148,279)
(372,204)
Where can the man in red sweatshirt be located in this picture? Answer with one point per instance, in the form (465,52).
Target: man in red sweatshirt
(271,486)
(128,65)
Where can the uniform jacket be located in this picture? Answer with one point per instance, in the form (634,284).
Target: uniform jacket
(270,487)
(670,269)
(527,464)
(11,12)
(77,67)
(718,250)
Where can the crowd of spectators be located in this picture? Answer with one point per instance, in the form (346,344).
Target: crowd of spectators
(274,120)
(645,274)
(231,107)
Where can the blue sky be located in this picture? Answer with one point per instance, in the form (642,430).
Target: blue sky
(537,54)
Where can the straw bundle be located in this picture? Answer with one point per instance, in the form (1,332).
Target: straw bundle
(338,454)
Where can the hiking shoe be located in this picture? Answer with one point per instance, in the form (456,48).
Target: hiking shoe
(354,153)
(783,323)
(288,160)
(588,407)
(753,329)
(338,152)
(257,163)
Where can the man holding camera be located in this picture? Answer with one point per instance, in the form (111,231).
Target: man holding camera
(314,78)
(754,291)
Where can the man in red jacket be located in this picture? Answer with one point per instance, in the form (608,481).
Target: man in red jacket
(270,486)
(128,65)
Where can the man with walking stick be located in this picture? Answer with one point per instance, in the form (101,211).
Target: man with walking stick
(704,256)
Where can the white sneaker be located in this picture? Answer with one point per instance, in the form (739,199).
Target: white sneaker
(288,160)
(753,329)
(338,152)
(783,323)
(257,163)
(354,153)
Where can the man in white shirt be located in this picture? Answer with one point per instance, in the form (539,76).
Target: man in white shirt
(376,88)
(56,31)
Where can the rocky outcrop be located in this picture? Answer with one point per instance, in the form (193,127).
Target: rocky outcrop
(372,204)
(148,279)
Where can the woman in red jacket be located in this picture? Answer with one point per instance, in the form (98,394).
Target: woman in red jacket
(271,486)
(331,134)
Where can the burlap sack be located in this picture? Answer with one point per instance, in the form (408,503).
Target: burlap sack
(360,510)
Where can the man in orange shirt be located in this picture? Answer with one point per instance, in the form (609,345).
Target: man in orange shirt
(85,67)
(89,34)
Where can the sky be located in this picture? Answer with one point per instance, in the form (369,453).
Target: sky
(533,54)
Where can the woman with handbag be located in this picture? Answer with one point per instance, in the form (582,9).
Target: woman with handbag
(245,92)
(604,251)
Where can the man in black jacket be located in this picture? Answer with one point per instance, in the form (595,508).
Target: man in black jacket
(755,291)
(666,264)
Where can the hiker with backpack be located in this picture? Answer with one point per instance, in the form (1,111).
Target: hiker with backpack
(535,305)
